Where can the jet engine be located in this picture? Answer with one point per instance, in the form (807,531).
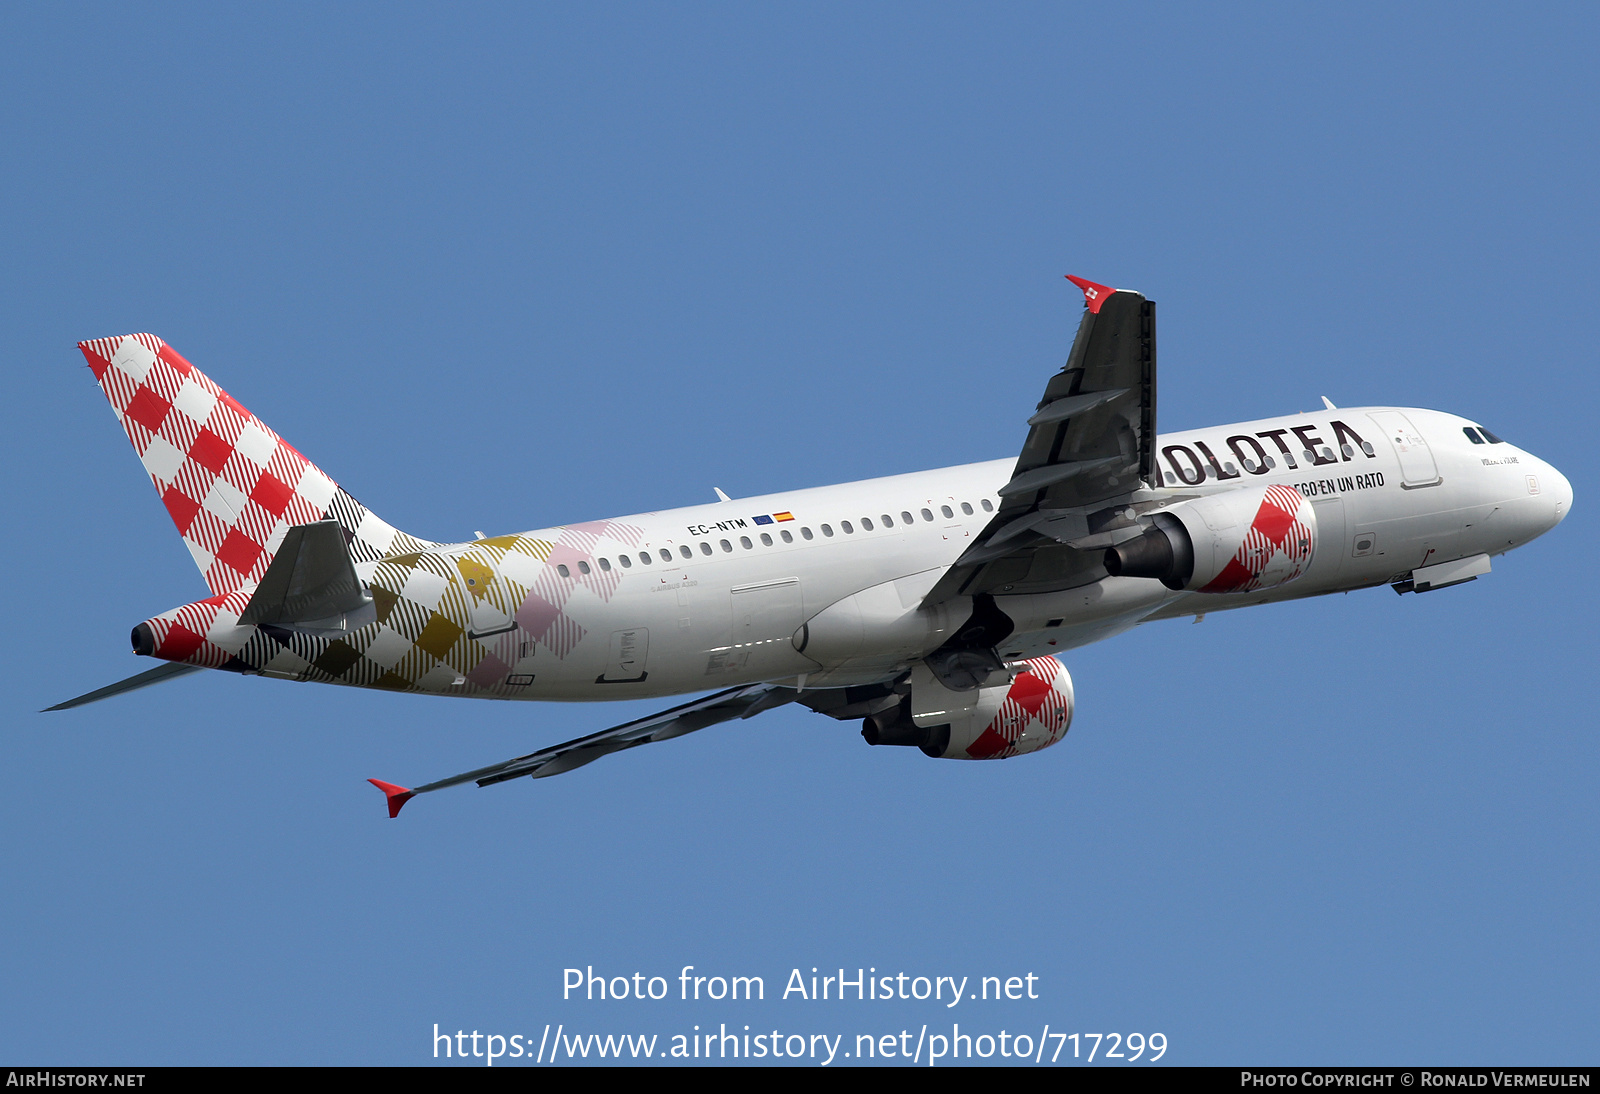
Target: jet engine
(1247,539)
(1030,712)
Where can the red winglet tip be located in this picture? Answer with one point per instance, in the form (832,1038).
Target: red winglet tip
(397,795)
(97,364)
(1093,295)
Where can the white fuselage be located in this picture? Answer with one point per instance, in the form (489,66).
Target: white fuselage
(711,596)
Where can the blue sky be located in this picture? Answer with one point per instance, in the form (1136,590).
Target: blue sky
(515,266)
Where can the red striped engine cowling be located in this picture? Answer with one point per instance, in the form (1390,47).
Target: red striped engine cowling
(1030,713)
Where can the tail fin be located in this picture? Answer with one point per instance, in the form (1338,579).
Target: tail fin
(233,487)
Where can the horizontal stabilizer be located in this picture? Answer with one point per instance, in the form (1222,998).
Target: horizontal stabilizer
(169,671)
(312,577)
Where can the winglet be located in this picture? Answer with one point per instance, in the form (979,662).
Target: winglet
(397,795)
(1093,295)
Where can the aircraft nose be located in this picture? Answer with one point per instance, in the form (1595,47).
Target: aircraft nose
(1561,490)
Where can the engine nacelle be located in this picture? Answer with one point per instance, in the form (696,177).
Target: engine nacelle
(1237,542)
(1031,712)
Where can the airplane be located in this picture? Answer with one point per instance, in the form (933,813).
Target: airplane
(929,606)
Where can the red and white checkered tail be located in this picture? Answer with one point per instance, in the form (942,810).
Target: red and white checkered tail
(232,485)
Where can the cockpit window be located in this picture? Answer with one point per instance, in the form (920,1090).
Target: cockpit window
(1472,435)
(1490,436)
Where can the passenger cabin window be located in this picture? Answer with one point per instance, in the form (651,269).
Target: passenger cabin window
(563,571)
(666,555)
(906,517)
(926,515)
(827,530)
(788,536)
(967,509)
(583,567)
(766,540)
(866,524)
(805,533)
(644,557)
(683,549)
(705,548)
(987,507)
(849,529)
(744,541)
(947,511)
(888,521)
(724,544)
(605,565)
(627,563)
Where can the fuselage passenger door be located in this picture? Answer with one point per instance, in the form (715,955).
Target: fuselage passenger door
(490,606)
(1417,467)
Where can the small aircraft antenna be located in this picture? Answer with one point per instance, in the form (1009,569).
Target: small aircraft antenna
(1327,404)
(720,495)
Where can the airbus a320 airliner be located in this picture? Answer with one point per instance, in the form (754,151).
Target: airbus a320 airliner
(928,606)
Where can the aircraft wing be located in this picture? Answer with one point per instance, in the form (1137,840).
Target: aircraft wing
(1090,442)
(724,706)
